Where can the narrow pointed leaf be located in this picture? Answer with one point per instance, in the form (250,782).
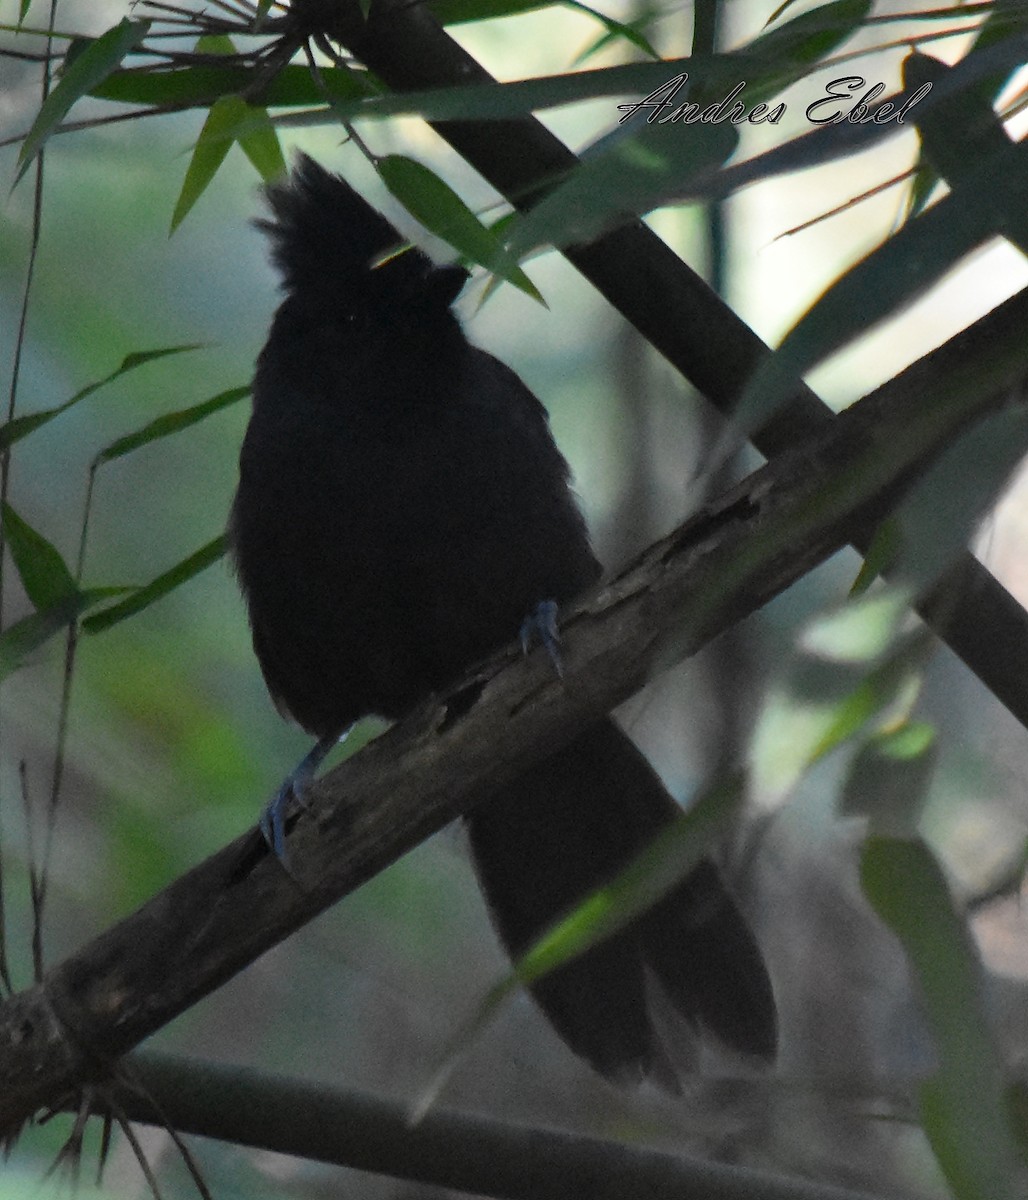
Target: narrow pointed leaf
(964,1106)
(934,522)
(649,877)
(646,880)
(226,117)
(143,597)
(811,35)
(170,423)
(625,177)
(851,666)
(258,139)
(21,639)
(959,131)
(438,207)
(200,86)
(889,778)
(44,576)
(984,204)
(20,427)
(615,30)
(94,64)
(261,146)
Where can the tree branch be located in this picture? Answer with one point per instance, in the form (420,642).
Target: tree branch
(450,1149)
(666,301)
(456,749)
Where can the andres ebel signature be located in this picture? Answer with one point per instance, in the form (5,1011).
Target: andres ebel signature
(847,98)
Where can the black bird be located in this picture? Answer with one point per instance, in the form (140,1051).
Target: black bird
(402,508)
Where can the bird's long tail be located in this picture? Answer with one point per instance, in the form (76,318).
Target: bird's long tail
(563,829)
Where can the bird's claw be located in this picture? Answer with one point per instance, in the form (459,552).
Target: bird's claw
(273,819)
(541,623)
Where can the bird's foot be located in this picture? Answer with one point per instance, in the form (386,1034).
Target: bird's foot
(273,818)
(541,623)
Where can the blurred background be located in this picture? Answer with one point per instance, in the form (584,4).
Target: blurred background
(174,745)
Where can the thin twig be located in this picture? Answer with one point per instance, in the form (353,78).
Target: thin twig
(35,882)
(852,202)
(60,747)
(130,1078)
(12,404)
(137,1149)
(70,1153)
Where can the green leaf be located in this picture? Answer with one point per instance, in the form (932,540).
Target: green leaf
(44,576)
(438,207)
(810,36)
(850,667)
(767,66)
(200,86)
(620,177)
(880,554)
(263,8)
(90,67)
(261,146)
(217,44)
(651,874)
(18,641)
(922,185)
(935,520)
(497,101)
(143,597)
(964,1107)
(1004,18)
(889,779)
(455,12)
(985,203)
(615,30)
(226,117)
(832,141)
(959,131)
(20,427)
(170,423)
(786,4)
(259,141)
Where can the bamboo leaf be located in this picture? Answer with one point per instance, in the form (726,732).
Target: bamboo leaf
(257,137)
(143,597)
(43,573)
(619,178)
(20,427)
(89,68)
(615,29)
(988,201)
(438,207)
(170,423)
(959,131)
(219,131)
(964,1106)
(200,86)
(647,879)
(261,146)
(19,640)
